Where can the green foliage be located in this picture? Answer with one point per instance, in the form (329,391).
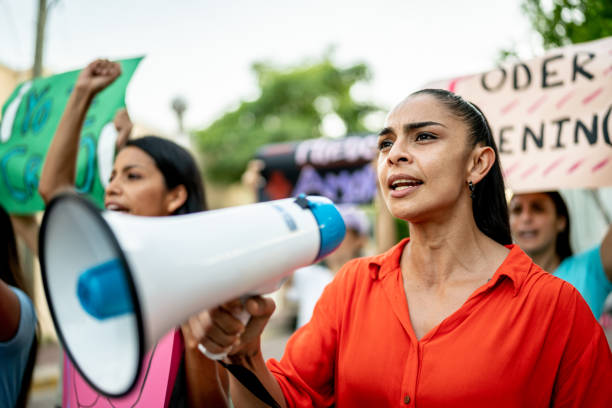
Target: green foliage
(288,109)
(569,21)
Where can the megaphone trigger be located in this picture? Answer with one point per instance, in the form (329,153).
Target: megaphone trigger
(244,316)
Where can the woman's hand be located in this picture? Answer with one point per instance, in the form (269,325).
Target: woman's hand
(124,127)
(219,330)
(97,75)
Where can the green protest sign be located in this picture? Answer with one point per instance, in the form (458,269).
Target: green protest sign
(29,119)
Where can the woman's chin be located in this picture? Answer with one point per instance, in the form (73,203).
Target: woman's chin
(406,212)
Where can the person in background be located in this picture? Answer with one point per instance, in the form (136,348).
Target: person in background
(151,176)
(540,225)
(308,283)
(18,341)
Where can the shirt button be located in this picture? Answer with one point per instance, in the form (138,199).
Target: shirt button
(406,399)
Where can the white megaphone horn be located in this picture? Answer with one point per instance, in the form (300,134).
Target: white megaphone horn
(116,283)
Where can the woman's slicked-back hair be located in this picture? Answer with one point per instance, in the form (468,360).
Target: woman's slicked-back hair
(489,204)
(562,246)
(178,167)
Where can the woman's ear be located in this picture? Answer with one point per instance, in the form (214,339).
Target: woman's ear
(175,198)
(561,224)
(481,161)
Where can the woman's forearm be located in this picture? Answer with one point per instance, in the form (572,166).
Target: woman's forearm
(59,170)
(242,397)
(207,381)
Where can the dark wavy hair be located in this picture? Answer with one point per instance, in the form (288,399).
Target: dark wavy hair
(178,167)
(563,247)
(489,204)
(11,274)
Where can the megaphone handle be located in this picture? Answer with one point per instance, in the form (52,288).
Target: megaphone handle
(244,317)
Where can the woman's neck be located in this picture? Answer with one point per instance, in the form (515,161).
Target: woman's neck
(547,260)
(450,252)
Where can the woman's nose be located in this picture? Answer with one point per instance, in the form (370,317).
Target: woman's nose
(399,153)
(525,215)
(113,187)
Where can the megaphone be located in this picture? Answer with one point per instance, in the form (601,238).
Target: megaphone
(116,283)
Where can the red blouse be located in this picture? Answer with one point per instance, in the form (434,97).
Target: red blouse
(524,339)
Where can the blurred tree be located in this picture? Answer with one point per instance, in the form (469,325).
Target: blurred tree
(292,105)
(569,21)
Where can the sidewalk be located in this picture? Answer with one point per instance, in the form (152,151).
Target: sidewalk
(46,379)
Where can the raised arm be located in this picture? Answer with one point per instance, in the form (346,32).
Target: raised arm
(59,170)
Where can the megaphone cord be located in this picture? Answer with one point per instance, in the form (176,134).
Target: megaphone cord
(250,381)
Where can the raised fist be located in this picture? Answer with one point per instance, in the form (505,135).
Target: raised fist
(98,75)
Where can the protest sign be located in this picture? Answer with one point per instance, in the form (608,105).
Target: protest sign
(29,119)
(152,390)
(550,116)
(339,169)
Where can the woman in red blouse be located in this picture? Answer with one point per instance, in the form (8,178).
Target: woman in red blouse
(454,316)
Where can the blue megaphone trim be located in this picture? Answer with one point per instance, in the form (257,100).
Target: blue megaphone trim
(103,290)
(330,222)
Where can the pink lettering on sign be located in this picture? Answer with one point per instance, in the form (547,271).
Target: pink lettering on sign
(509,107)
(565,98)
(552,166)
(592,96)
(529,171)
(599,165)
(511,169)
(575,166)
(537,104)
(452,86)
(153,388)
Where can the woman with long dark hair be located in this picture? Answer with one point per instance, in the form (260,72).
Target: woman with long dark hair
(151,176)
(540,224)
(453,316)
(18,343)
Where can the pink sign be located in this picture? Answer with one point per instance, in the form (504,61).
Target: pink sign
(550,116)
(154,386)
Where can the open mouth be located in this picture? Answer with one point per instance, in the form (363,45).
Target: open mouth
(116,207)
(403,184)
(527,234)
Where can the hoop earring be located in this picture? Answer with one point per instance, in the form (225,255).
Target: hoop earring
(472,188)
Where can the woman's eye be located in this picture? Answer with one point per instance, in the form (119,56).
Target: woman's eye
(133,176)
(424,136)
(385,144)
(516,210)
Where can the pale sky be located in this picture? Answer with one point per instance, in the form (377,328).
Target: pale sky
(203,49)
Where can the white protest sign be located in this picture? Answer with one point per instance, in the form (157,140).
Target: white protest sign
(550,116)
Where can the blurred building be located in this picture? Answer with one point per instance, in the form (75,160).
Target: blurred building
(9,79)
